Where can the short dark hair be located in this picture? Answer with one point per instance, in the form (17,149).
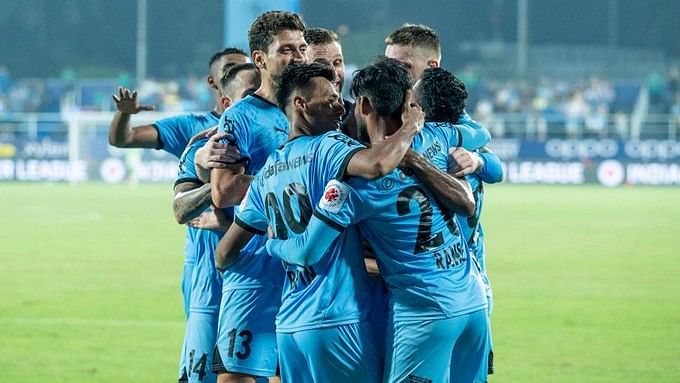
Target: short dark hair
(224,52)
(441,95)
(267,25)
(384,82)
(318,36)
(231,73)
(418,35)
(298,76)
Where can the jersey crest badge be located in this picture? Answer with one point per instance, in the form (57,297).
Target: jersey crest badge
(334,196)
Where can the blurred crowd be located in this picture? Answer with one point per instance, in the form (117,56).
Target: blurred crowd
(540,108)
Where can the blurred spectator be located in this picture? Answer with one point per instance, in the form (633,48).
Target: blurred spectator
(537,108)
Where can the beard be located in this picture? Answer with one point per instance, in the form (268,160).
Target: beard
(362,133)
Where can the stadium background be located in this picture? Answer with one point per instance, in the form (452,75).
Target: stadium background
(574,93)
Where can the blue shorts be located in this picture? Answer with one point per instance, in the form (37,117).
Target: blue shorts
(338,354)
(185,285)
(246,340)
(199,343)
(437,350)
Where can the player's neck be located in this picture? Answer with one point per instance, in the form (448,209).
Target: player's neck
(218,104)
(267,90)
(299,126)
(380,128)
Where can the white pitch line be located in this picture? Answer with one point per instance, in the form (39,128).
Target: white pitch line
(90,322)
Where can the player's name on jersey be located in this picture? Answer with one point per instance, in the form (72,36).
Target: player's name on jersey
(450,257)
(432,150)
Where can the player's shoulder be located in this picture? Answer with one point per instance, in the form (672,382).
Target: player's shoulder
(196,118)
(242,108)
(338,138)
(190,150)
(431,127)
(206,118)
(254,110)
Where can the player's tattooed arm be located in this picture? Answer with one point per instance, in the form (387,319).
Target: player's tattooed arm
(384,156)
(121,134)
(229,185)
(191,199)
(229,247)
(452,193)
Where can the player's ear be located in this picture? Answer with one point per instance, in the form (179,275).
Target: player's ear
(433,63)
(364,106)
(258,58)
(225,102)
(299,104)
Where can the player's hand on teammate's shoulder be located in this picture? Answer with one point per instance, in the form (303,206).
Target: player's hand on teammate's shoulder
(412,115)
(463,162)
(126,102)
(217,155)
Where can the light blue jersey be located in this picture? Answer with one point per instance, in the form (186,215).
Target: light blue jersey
(203,290)
(205,276)
(256,127)
(332,291)
(472,134)
(473,232)
(422,255)
(251,287)
(175,132)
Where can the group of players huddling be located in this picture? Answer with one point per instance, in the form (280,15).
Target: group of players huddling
(329,241)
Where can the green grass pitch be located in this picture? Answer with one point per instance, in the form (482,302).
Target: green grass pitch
(586,283)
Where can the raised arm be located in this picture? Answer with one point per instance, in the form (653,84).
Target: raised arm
(307,248)
(121,134)
(191,199)
(384,156)
(452,193)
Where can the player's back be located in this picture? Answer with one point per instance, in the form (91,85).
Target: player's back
(332,291)
(421,253)
(423,256)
